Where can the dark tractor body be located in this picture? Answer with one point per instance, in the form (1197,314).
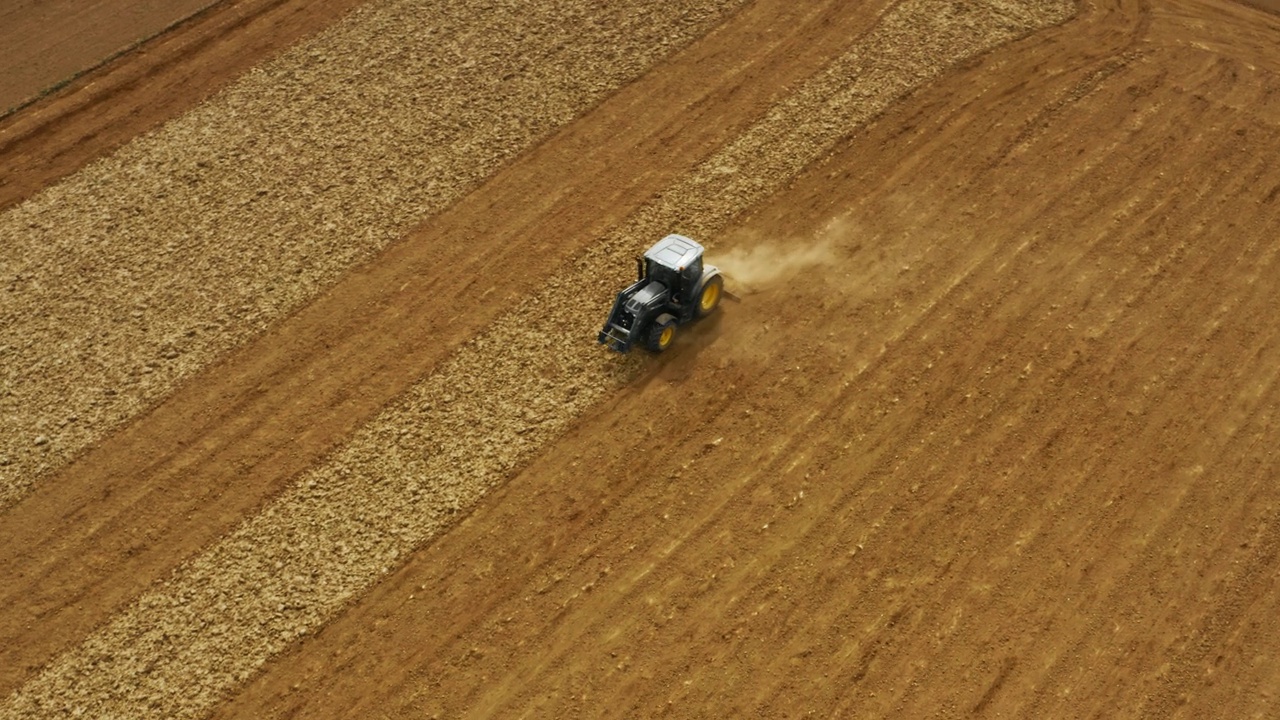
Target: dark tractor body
(674,287)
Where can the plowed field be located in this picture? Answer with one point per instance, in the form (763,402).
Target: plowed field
(301,413)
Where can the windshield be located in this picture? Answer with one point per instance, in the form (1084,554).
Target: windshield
(661,273)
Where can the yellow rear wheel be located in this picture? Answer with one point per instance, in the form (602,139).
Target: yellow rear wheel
(710,296)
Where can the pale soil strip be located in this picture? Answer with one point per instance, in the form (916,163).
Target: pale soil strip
(437,450)
(145,266)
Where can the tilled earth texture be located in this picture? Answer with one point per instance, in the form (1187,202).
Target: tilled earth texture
(302,414)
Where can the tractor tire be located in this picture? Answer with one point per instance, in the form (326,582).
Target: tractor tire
(709,298)
(661,334)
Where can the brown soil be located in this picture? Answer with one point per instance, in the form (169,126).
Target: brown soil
(989,431)
(47,42)
(98,100)
(1272,5)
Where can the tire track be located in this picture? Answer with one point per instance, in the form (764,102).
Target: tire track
(1174,513)
(435,452)
(1186,285)
(1122,323)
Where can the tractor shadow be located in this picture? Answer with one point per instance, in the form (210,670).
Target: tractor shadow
(677,362)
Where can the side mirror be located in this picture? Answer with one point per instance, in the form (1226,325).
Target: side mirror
(639,269)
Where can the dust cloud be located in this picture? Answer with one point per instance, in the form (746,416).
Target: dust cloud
(756,266)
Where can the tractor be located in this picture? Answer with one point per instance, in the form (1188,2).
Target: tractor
(673,288)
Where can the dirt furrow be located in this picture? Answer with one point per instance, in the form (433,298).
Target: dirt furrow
(996,442)
(839,416)
(1005,522)
(141,269)
(1011,524)
(126,513)
(1143,294)
(1176,514)
(37,59)
(485,412)
(107,106)
(165,487)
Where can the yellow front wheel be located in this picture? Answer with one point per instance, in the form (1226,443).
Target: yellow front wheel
(661,334)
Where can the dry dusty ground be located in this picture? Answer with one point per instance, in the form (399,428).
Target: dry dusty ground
(46,42)
(301,413)
(113,98)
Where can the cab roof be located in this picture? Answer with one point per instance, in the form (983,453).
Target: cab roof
(675,252)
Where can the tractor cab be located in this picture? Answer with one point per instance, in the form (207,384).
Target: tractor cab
(676,262)
(673,287)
